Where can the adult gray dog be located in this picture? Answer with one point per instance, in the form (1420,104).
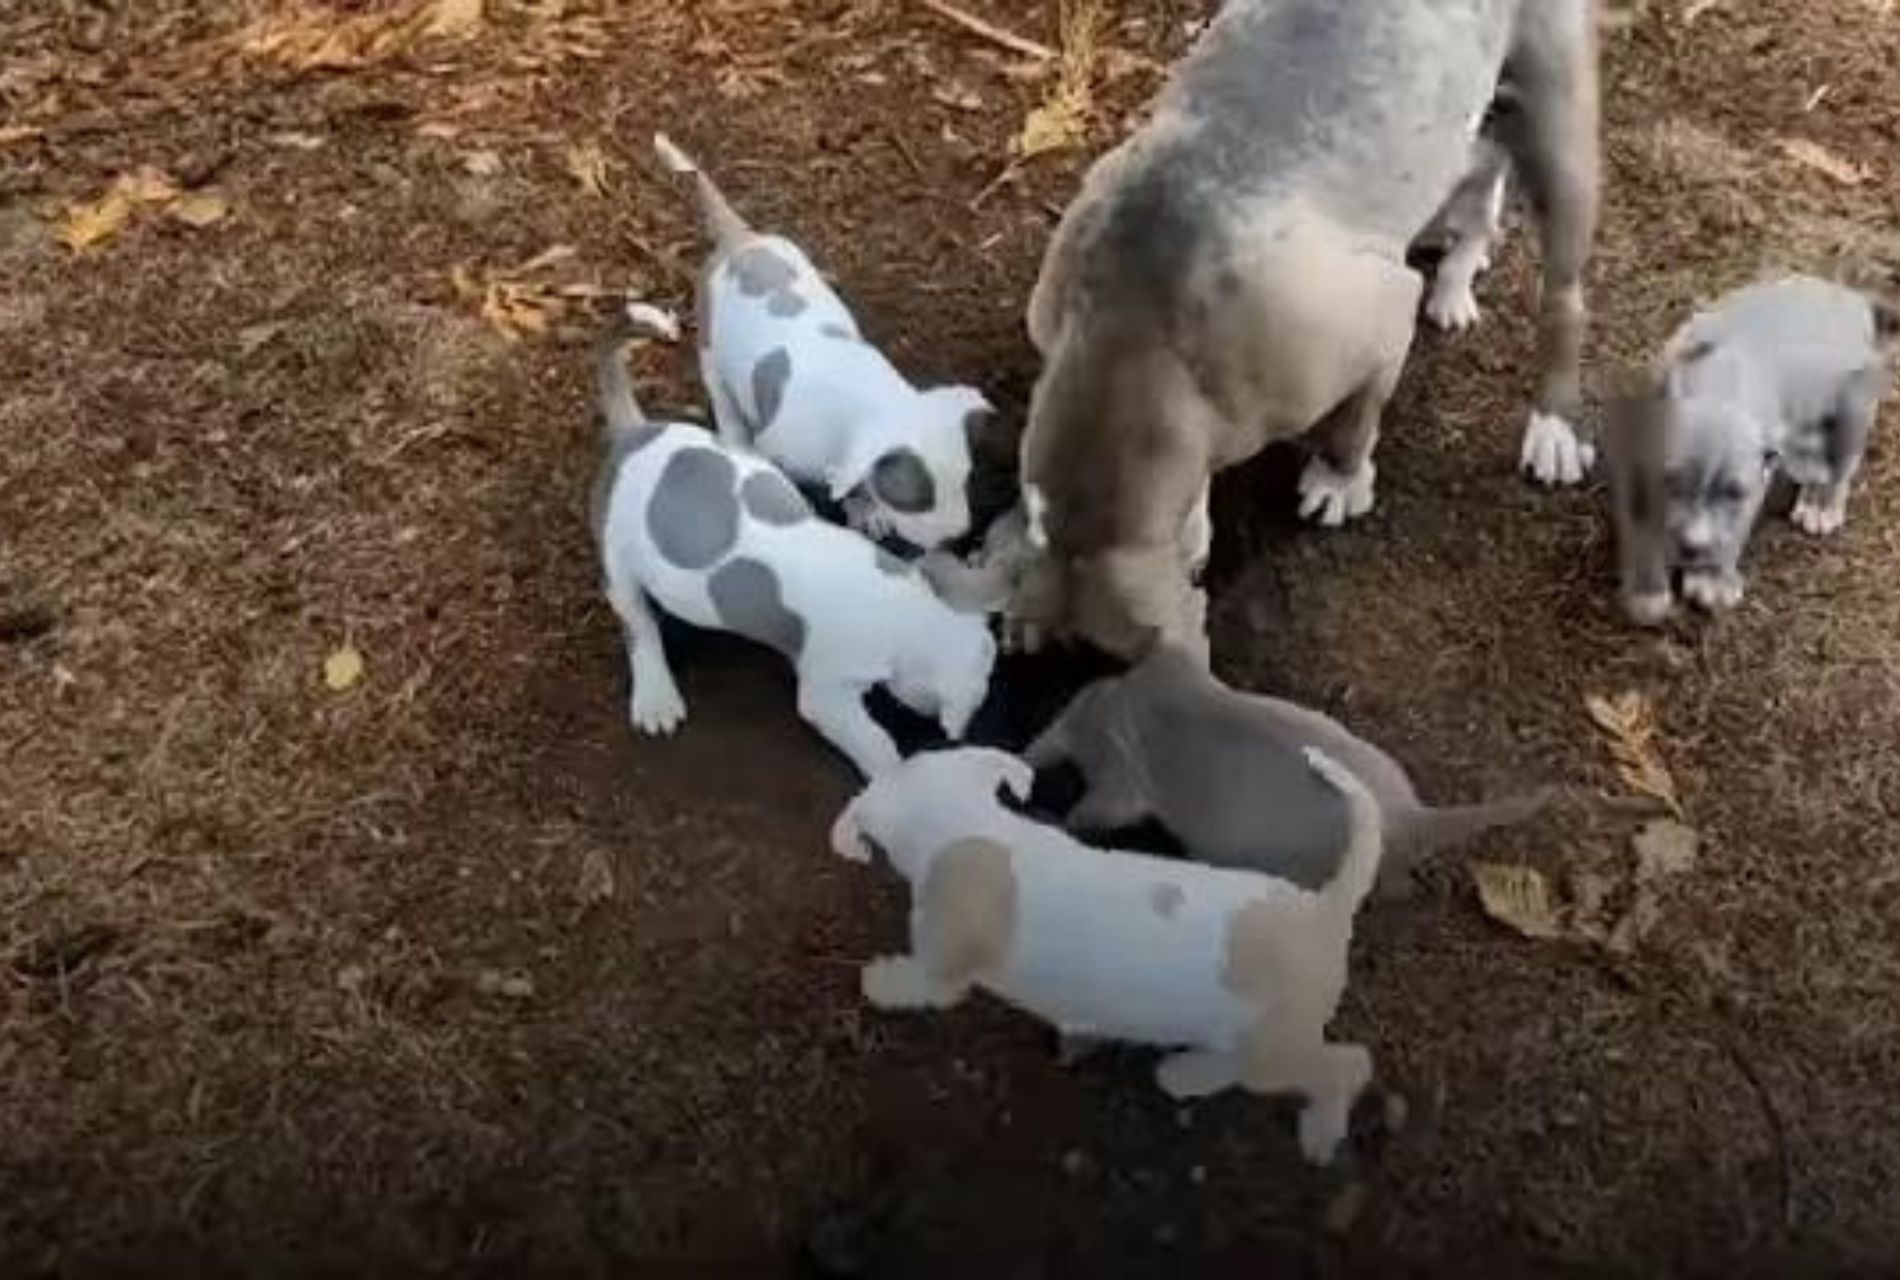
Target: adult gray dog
(1234,274)
(1226,773)
(1781,377)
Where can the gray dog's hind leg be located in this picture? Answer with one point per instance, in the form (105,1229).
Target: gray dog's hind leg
(1552,135)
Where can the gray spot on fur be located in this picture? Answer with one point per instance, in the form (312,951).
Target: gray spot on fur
(902,482)
(747,424)
(745,593)
(769,377)
(896,566)
(831,329)
(759,271)
(620,446)
(785,304)
(769,496)
(693,516)
(1166,899)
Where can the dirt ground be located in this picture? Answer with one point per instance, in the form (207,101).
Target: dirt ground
(445,973)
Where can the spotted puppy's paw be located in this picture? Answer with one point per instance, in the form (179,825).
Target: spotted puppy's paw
(1819,510)
(1326,1119)
(1452,306)
(1552,454)
(1648,608)
(1716,591)
(1332,497)
(656,707)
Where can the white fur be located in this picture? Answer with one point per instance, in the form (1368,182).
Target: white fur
(1332,497)
(1094,952)
(863,625)
(1552,453)
(844,407)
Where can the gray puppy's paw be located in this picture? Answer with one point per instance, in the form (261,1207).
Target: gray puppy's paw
(1648,608)
(1716,592)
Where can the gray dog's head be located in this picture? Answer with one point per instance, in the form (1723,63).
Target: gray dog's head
(1702,451)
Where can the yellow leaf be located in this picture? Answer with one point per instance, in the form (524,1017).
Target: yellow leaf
(1628,722)
(455,17)
(86,225)
(146,186)
(589,166)
(199,210)
(1518,897)
(1814,156)
(1062,118)
(343,668)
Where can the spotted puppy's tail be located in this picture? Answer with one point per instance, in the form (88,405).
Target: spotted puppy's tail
(625,423)
(723,224)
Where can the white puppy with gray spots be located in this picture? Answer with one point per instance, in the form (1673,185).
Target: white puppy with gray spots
(718,537)
(1781,377)
(1237,971)
(790,375)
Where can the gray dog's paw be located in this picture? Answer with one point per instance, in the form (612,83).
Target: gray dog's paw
(1715,592)
(1332,497)
(1649,608)
(1552,453)
(1817,512)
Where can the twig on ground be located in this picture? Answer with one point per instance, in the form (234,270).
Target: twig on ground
(991,32)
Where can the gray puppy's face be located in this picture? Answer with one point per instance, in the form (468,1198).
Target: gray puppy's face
(1715,476)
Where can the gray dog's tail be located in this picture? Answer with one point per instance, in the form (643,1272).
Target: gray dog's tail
(613,384)
(1427,830)
(723,224)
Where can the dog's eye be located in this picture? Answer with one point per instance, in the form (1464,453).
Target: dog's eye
(902,482)
(1730,492)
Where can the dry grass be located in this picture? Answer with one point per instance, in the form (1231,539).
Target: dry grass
(327,980)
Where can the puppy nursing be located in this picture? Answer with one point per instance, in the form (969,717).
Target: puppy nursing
(1783,377)
(1224,771)
(718,537)
(1234,274)
(1237,972)
(789,375)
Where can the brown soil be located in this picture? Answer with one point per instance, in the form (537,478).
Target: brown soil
(298,982)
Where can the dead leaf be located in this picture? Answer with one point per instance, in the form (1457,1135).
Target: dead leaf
(199,210)
(958,95)
(1664,848)
(1518,897)
(87,225)
(548,257)
(596,879)
(343,669)
(146,185)
(1831,164)
(1644,914)
(12,133)
(588,164)
(1589,897)
(1628,722)
(455,17)
(1061,120)
(483,164)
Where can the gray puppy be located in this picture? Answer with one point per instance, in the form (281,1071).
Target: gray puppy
(1226,772)
(1781,377)
(1234,274)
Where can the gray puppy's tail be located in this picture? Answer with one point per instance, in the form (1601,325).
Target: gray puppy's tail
(723,224)
(613,385)
(1426,830)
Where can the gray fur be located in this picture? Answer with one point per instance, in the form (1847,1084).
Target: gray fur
(746,595)
(760,271)
(1783,376)
(770,497)
(833,330)
(627,430)
(693,515)
(769,377)
(895,566)
(786,304)
(902,482)
(1226,772)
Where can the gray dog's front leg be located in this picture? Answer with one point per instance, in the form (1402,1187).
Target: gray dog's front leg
(1552,135)
(1821,509)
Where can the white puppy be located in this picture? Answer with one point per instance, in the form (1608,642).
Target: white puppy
(1238,970)
(790,375)
(720,538)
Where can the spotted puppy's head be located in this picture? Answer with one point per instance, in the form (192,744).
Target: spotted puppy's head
(1711,444)
(960,780)
(916,472)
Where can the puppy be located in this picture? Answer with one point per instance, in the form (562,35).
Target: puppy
(1226,772)
(1239,971)
(789,374)
(718,537)
(1234,274)
(1463,231)
(1781,377)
